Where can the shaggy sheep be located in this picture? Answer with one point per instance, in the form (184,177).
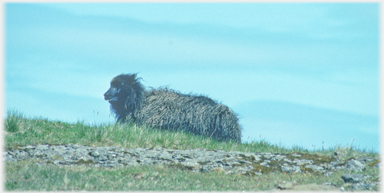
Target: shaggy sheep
(167,109)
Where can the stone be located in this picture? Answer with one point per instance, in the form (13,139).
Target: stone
(41,147)
(279,157)
(267,155)
(302,162)
(315,168)
(287,160)
(289,186)
(265,163)
(191,165)
(363,186)
(95,153)
(354,165)
(286,185)
(352,178)
(314,187)
(199,160)
(291,169)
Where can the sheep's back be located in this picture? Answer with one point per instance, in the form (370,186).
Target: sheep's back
(200,115)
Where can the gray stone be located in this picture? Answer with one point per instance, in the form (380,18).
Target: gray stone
(265,163)
(363,186)
(267,155)
(257,158)
(352,178)
(296,155)
(302,161)
(305,187)
(279,157)
(38,153)
(327,184)
(94,153)
(291,169)
(354,165)
(28,147)
(287,160)
(204,168)
(286,185)
(191,165)
(315,168)
(166,157)
(244,162)
(233,162)
(41,147)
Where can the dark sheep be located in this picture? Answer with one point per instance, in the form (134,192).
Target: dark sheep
(168,109)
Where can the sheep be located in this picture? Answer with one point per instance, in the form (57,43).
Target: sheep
(165,108)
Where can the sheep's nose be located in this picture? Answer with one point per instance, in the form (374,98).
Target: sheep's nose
(106,96)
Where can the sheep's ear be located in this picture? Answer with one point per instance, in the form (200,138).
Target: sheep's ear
(132,78)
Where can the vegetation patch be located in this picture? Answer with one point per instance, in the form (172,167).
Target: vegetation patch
(374,163)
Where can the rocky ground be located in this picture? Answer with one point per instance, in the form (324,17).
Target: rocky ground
(199,160)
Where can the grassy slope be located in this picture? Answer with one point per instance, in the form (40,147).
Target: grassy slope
(26,131)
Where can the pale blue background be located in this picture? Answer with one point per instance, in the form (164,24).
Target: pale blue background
(297,74)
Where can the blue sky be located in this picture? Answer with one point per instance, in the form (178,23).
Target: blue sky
(295,73)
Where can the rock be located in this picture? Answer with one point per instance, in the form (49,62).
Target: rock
(28,147)
(363,186)
(327,184)
(232,162)
(291,169)
(265,163)
(296,155)
(158,149)
(287,160)
(279,157)
(286,185)
(41,147)
(302,162)
(315,168)
(204,169)
(191,165)
(305,187)
(315,187)
(354,165)
(95,153)
(267,155)
(352,178)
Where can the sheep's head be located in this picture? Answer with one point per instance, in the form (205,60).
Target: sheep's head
(125,95)
(121,88)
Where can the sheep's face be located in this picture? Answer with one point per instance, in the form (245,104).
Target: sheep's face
(116,92)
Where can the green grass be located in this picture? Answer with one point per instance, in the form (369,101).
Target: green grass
(28,176)
(32,131)
(21,130)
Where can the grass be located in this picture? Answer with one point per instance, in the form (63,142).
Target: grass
(31,131)
(26,175)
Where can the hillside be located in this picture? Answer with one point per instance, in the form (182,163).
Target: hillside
(33,151)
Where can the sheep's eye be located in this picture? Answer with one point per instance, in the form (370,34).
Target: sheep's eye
(117,84)
(114,84)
